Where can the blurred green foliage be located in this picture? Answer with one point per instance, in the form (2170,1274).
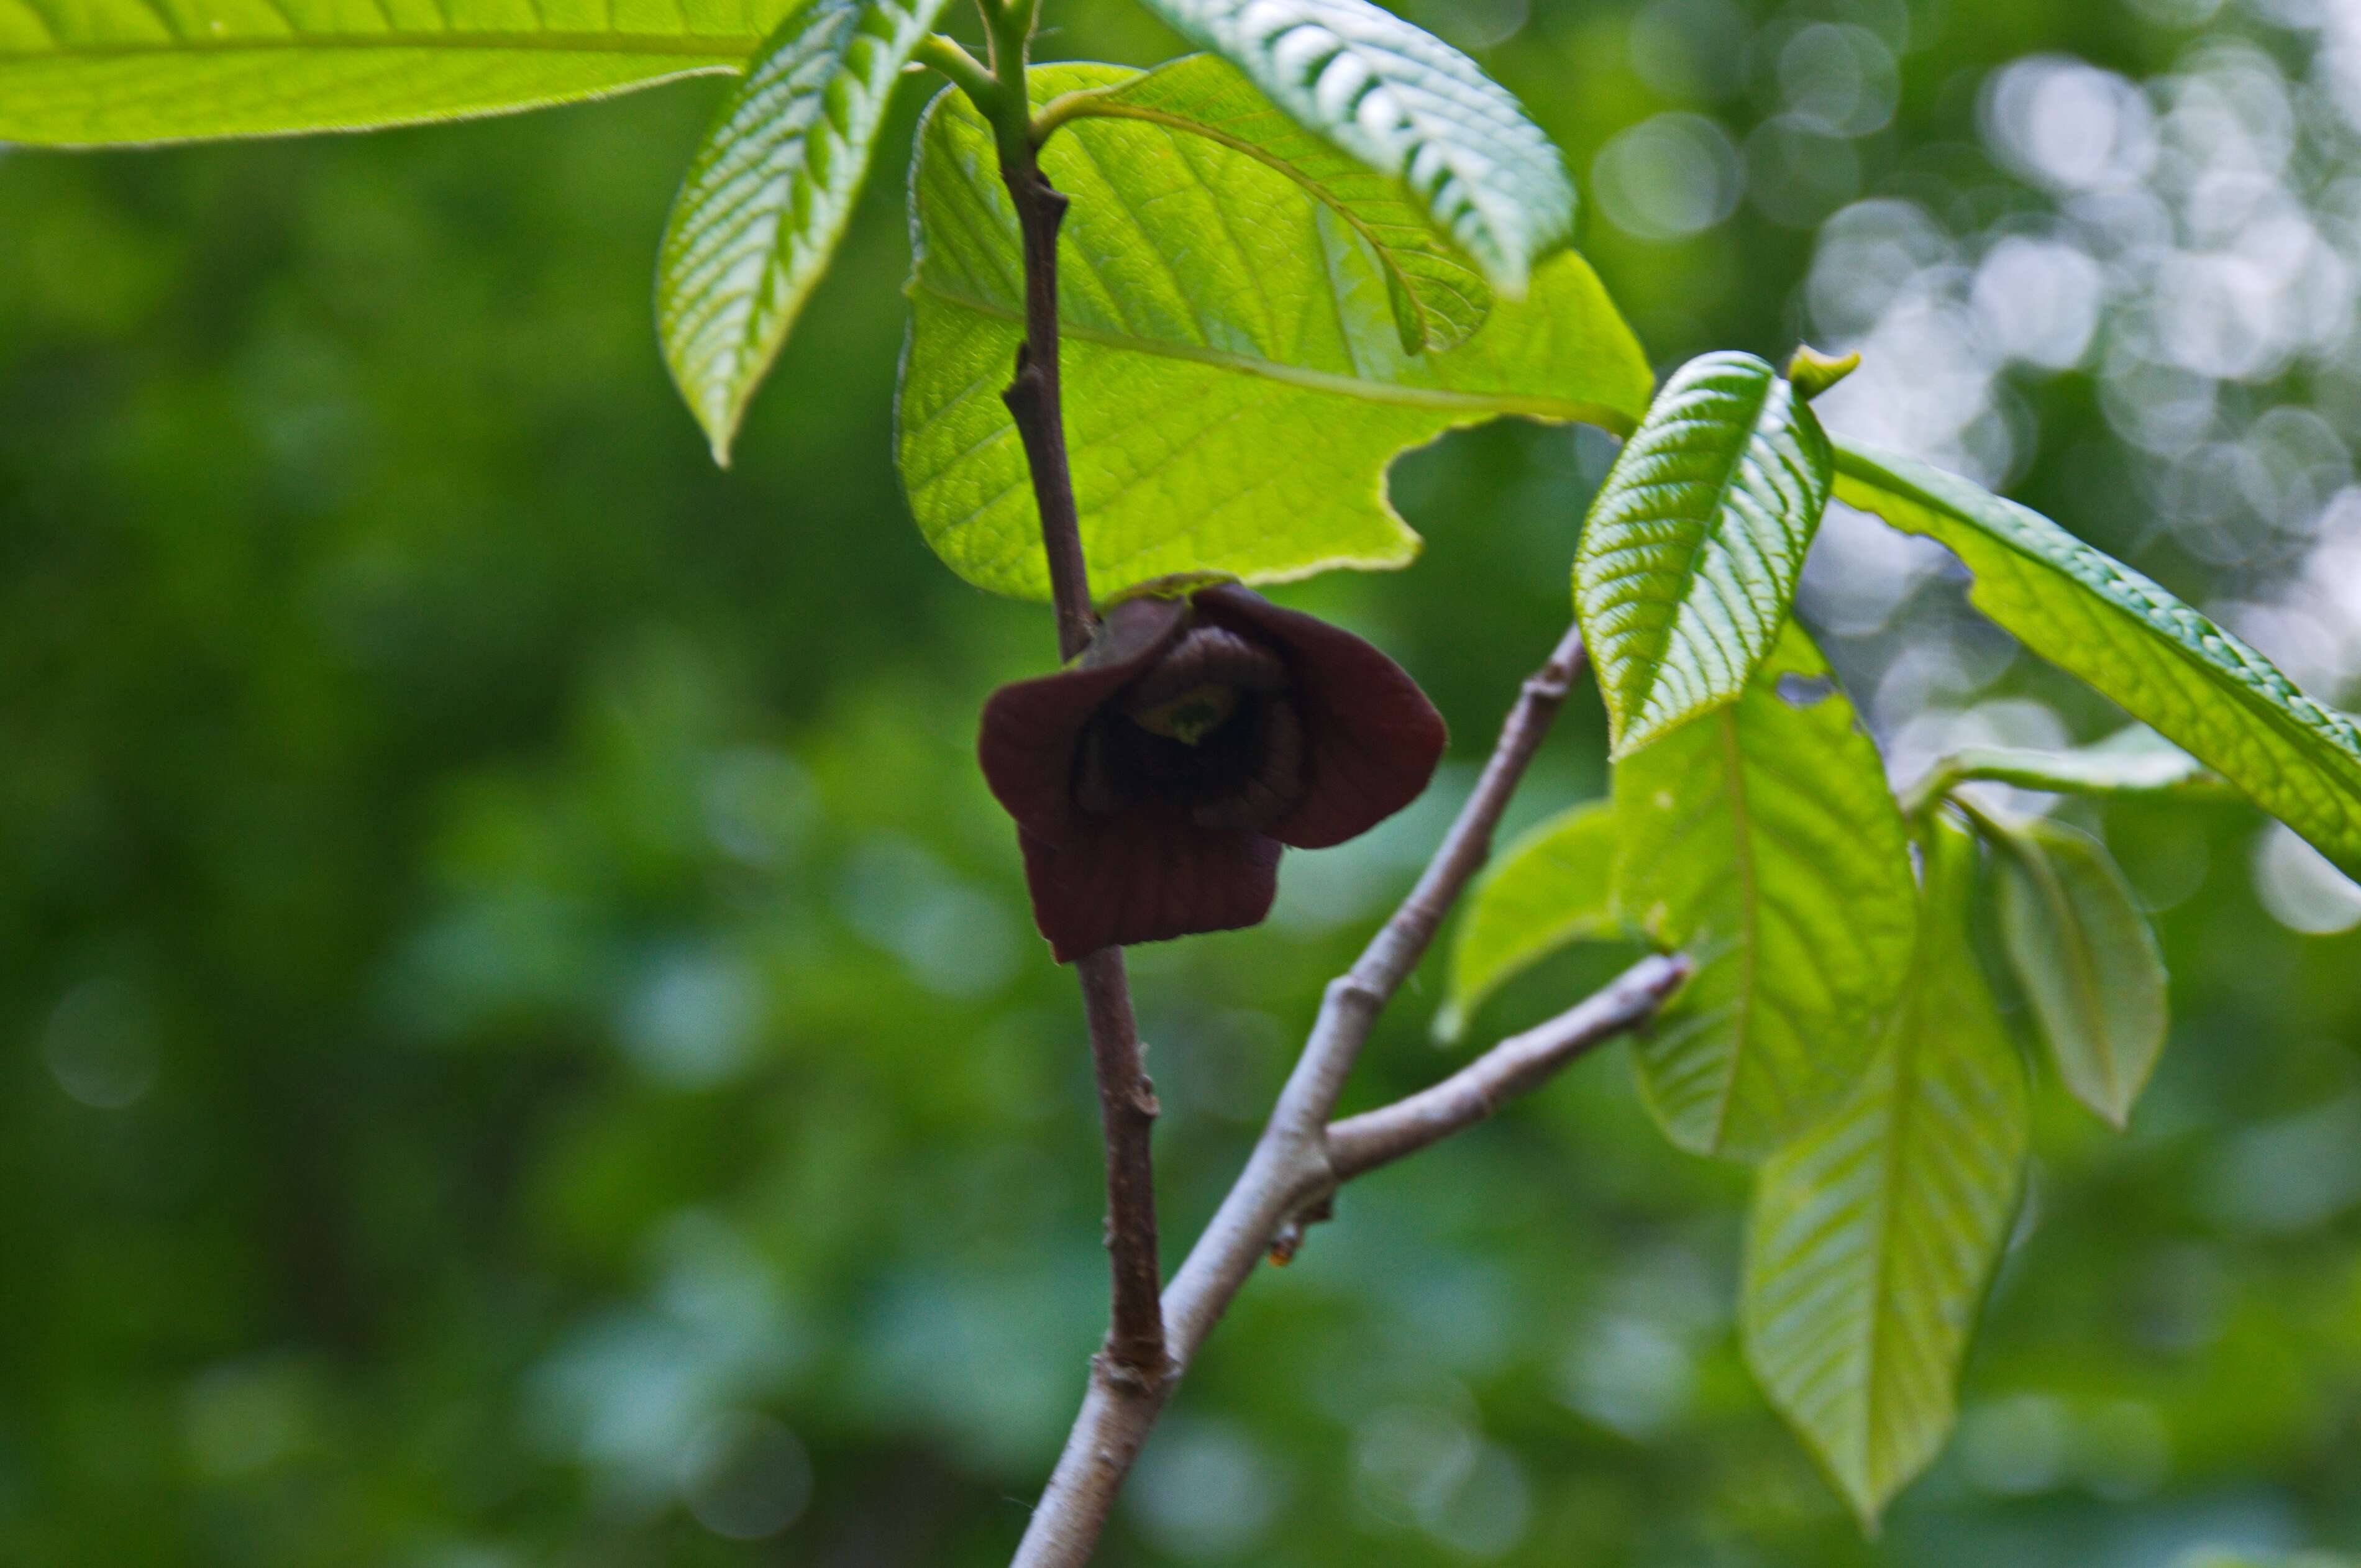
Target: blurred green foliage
(527,1044)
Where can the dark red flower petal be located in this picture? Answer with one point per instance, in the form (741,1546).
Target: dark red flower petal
(1148,875)
(1370,737)
(1032,729)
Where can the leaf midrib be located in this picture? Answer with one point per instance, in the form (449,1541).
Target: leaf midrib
(1438,398)
(1708,532)
(1750,916)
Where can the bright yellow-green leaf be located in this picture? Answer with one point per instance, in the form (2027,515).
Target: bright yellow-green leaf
(1235,383)
(1552,887)
(142,71)
(1761,837)
(1407,104)
(2089,965)
(1438,298)
(1875,1233)
(769,194)
(1689,558)
(2097,620)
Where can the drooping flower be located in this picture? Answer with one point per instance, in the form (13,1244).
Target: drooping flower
(1156,779)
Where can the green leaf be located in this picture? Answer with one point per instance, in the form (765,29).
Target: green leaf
(1552,887)
(2133,762)
(2088,963)
(2161,660)
(1235,384)
(1873,1235)
(1689,558)
(1438,299)
(769,194)
(143,71)
(1407,104)
(1762,836)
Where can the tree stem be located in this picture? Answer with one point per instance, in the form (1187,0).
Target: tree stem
(1135,1355)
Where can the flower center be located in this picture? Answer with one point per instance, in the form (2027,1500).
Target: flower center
(1191,716)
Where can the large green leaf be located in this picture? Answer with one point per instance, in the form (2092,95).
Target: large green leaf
(1408,105)
(2083,952)
(1236,382)
(2097,618)
(95,72)
(1873,1235)
(1762,836)
(1438,299)
(1689,558)
(1552,887)
(769,194)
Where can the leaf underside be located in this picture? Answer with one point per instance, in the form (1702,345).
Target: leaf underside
(1554,886)
(1691,553)
(769,194)
(2135,762)
(1761,836)
(1438,298)
(1873,1235)
(1407,104)
(2086,958)
(1235,383)
(111,71)
(2159,659)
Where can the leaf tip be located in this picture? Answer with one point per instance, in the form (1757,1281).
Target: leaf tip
(719,419)
(1813,372)
(1450,1023)
(1868,1509)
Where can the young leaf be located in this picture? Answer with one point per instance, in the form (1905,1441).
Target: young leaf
(1407,104)
(1437,298)
(1690,555)
(1552,887)
(769,194)
(2100,620)
(1235,384)
(145,71)
(2086,957)
(2135,760)
(1873,1235)
(1761,837)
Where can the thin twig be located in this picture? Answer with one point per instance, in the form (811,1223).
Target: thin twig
(1135,1356)
(1293,1173)
(1515,1066)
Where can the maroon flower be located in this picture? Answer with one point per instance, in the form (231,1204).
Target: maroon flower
(1155,779)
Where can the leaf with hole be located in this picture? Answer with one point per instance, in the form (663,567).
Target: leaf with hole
(1236,382)
(2084,955)
(1438,298)
(1763,838)
(1410,106)
(104,71)
(769,194)
(1690,555)
(1554,886)
(2100,621)
(1873,1235)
